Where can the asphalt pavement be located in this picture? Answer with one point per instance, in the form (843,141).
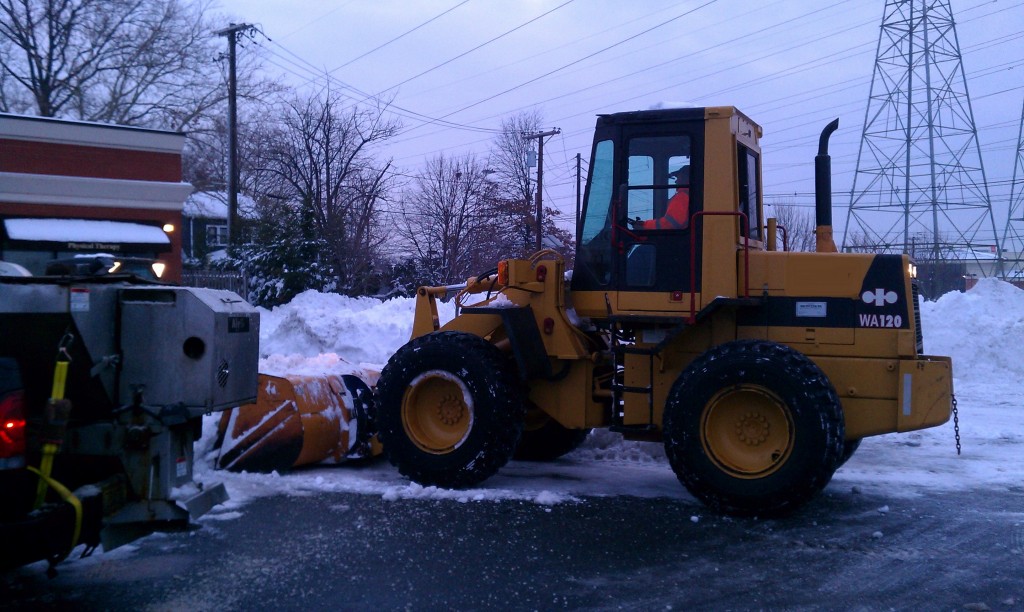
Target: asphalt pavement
(847,550)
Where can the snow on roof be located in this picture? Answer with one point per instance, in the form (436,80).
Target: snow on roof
(214,205)
(661,104)
(976,254)
(90,133)
(9,268)
(84,230)
(951,254)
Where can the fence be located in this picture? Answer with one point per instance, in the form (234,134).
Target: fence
(232,281)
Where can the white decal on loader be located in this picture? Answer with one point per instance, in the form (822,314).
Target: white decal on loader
(879,297)
(873,320)
(811,309)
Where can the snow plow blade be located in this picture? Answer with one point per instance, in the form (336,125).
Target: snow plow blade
(298,420)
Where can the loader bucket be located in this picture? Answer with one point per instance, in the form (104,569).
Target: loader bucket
(298,420)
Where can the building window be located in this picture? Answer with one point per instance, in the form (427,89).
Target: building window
(216,235)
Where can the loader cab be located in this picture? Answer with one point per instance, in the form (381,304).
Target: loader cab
(633,254)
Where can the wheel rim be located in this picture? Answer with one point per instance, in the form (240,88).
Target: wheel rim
(437,412)
(747,431)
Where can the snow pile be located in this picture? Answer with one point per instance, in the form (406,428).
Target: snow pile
(604,445)
(330,363)
(361,330)
(982,330)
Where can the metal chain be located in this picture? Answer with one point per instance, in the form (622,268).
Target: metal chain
(956,425)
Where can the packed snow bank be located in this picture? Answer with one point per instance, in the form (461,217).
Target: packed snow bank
(982,329)
(359,330)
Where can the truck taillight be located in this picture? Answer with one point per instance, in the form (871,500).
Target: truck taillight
(12,430)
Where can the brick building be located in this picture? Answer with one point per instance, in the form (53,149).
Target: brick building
(71,187)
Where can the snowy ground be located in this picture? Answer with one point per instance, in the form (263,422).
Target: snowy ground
(983,330)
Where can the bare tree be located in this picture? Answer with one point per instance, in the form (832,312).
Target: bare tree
(131,62)
(517,188)
(516,209)
(799,225)
(323,160)
(448,220)
(206,147)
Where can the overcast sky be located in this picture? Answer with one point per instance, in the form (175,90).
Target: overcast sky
(790,65)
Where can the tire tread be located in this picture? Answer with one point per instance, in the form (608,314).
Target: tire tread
(731,363)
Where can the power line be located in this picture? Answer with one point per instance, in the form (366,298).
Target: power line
(404,112)
(586,57)
(577,61)
(478,47)
(534,56)
(318,19)
(709,73)
(778,74)
(674,60)
(397,38)
(691,78)
(577,114)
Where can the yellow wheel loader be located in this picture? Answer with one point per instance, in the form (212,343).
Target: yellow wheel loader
(760,369)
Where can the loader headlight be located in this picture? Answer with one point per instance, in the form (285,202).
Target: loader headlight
(158,268)
(912,269)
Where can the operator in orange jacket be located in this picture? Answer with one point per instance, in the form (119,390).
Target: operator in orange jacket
(677,213)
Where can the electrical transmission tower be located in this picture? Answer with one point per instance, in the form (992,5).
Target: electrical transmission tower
(920,185)
(1013,236)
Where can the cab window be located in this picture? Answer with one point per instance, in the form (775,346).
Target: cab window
(651,160)
(599,196)
(594,250)
(750,190)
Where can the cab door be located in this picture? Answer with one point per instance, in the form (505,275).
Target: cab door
(654,264)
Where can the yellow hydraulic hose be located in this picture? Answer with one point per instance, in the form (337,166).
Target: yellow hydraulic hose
(67,496)
(60,377)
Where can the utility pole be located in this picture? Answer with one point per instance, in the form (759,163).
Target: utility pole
(540,136)
(232,33)
(578,159)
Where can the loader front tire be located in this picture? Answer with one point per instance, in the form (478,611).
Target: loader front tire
(450,409)
(753,428)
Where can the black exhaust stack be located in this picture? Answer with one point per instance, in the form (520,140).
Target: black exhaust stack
(823,242)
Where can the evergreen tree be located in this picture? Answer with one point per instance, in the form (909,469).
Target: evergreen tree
(282,256)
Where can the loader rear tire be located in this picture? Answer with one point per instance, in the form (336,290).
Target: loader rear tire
(849,448)
(545,439)
(753,428)
(450,410)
